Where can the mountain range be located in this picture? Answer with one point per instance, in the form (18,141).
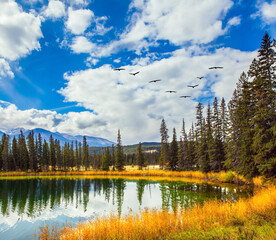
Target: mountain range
(62,137)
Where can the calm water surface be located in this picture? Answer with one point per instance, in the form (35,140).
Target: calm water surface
(27,204)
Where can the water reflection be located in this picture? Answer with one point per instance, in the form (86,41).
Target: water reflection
(63,199)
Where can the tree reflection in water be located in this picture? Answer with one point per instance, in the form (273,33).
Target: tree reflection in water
(32,196)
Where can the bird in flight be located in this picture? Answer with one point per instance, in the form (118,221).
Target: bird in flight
(134,73)
(215,67)
(200,77)
(157,80)
(184,96)
(171,91)
(118,69)
(193,86)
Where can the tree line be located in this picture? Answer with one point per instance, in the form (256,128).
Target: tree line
(34,154)
(240,136)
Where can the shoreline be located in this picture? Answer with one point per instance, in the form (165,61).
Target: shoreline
(211,177)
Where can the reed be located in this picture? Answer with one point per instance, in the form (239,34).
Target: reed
(158,224)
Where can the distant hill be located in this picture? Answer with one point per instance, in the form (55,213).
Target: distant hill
(62,137)
(130,149)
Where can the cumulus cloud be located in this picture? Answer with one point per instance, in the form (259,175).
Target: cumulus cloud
(178,21)
(85,123)
(268,11)
(82,45)
(5,70)
(79,20)
(19,31)
(55,9)
(136,107)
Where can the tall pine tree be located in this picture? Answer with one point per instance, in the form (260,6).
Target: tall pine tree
(165,154)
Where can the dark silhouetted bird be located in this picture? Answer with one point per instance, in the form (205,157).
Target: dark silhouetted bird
(134,73)
(157,80)
(193,86)
(215,67)
(171,91)
(118,69)
(184,96)
(200,77)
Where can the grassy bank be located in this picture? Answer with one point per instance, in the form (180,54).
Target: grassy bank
(252,218)
(222,177)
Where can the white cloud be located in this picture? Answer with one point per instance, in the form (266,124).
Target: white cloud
(268,12)
(55,9)
(136,107)
(178,21)
(100,29)
(79,20)
(235,21)
(79,3)
(19,31)
(73,122)
(91,61)
(82,45)
(5,70)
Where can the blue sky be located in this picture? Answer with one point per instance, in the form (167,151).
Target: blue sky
(57,60)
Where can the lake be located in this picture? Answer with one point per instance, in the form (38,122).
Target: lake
(28,203)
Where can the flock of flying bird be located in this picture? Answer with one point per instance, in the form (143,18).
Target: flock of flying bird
(158,80)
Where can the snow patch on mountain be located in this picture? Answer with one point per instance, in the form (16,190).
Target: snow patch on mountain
(62,137)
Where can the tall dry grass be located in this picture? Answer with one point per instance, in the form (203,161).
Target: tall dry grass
(157,224)
(224,177)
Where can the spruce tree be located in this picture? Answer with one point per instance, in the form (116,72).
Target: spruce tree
(245,113)
(58,154)
(180,155)
(45,156)
(5,152)
(66,156)
(203,149)
(262,72)
(23,152)
(72,155)
(140,158)
(232,148)
(216,151)
(39,150)
(198,132)
(15,153)
(119,156)
(224,120)
(189,163)
(80,155)
(52,157)
(32,152)
(78,162)
(85,154)
(183,149)
(106,160)
(165,154)
(173,152)
(113,157)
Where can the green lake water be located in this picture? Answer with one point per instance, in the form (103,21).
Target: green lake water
(27,204)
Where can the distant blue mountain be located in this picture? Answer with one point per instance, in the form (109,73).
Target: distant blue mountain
(62,137)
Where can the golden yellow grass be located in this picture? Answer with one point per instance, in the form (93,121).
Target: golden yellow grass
(221,177)
(158,224)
